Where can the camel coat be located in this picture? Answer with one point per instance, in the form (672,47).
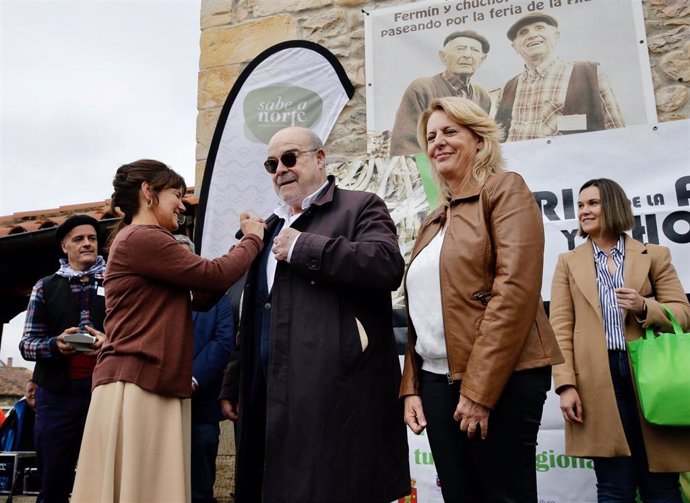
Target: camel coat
(577,321)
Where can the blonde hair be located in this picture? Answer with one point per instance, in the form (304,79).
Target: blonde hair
(488,160)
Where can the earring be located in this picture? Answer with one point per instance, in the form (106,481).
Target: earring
(149,203)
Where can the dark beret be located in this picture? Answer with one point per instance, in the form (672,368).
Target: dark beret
(533,17)
(469,34)
(72,222)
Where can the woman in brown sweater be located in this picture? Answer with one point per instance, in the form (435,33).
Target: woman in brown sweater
(136,444)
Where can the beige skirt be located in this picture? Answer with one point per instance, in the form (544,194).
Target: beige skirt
(136,448)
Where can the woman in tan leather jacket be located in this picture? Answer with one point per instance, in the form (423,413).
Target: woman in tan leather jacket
(480,348)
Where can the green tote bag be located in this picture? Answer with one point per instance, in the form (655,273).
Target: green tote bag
(661,368)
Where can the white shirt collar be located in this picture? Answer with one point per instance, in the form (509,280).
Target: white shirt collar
(285,212)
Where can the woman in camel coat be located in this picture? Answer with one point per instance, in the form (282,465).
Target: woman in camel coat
(614,281)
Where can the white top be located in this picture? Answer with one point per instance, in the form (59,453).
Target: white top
(424,302)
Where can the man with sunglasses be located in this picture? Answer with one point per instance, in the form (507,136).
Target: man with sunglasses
(313,380)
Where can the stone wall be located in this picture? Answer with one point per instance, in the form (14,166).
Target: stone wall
(668,37)
(233,32)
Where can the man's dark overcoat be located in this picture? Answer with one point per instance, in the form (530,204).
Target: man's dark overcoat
(334,428)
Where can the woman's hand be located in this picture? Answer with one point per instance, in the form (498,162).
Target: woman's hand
(250,225)
(571,405)
(630,300)
(414,414)
(472,415)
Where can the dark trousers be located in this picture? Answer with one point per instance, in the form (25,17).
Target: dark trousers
(60,419)
(205,439)
(500,468)
(252,444)
(619,478)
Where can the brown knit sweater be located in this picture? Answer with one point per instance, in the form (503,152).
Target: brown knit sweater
(148,321)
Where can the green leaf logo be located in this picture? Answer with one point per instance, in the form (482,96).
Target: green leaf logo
(269,109)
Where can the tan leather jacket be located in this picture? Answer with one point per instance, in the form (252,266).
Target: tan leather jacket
(491,273)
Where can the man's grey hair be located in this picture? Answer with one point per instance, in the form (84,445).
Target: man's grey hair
(314,140)
(182,239)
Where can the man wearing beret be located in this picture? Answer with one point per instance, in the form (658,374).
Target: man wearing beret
(552,97)
(71,301)
(462,53)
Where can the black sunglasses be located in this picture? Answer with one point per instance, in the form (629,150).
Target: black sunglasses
(289,159)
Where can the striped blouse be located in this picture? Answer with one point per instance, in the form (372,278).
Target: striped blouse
(606,287)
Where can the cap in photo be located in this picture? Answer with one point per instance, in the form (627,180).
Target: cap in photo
(469,34)
(532,17)
(72,222)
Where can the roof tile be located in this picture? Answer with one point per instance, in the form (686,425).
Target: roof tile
(13,380)
(29,221)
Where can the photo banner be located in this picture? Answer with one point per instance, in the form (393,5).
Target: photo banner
(295,83)
(405,70)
